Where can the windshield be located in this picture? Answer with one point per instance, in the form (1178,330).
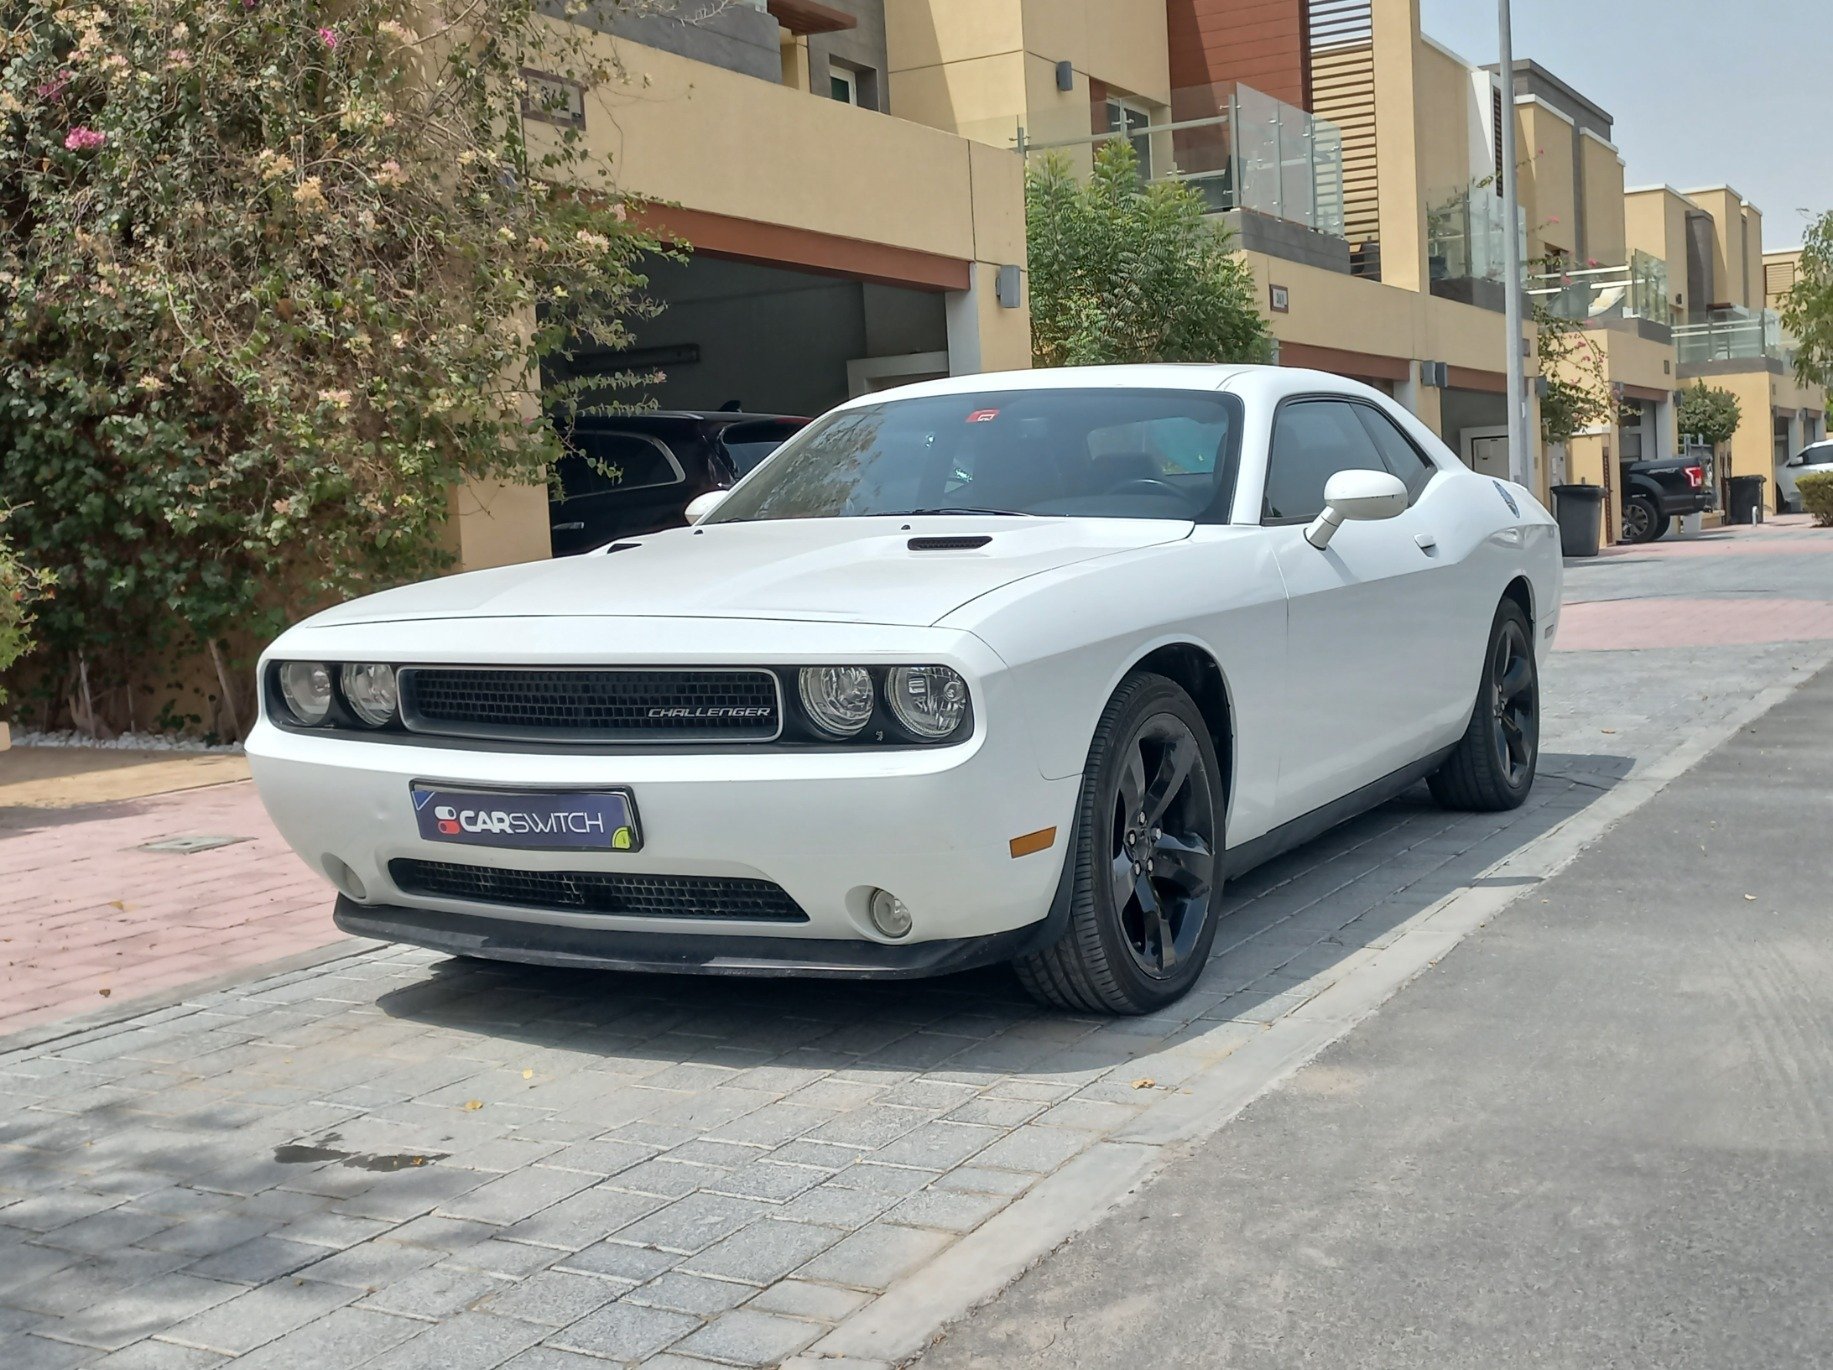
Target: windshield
(1085,453)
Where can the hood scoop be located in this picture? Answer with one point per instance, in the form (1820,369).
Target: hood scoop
(962,543)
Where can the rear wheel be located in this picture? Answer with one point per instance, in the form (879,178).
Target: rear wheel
(1643,520)
(1146,859)
(1493,766)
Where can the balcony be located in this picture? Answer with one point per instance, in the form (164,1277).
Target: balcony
(1633,296)
(1273,171)
(1734,336)
(1467,244)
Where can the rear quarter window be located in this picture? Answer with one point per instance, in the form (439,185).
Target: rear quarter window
(612,463)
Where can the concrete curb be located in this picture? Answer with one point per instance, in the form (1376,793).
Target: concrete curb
(27,1039)
(896,1327)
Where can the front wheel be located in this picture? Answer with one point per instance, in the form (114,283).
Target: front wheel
(1492,767)
(1146,854)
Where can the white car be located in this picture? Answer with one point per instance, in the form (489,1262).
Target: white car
(995,668)
(1816,459)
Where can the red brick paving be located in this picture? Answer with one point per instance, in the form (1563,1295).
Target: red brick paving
(81,912)
(1633,624)
(1785,534)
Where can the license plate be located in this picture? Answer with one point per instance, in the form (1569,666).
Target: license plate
(567,821)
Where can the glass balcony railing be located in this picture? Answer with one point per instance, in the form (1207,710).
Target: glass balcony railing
(1734,335)
(1237,147)
(1599,294)
(1467,235)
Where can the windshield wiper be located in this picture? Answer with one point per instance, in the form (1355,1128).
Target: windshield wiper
(962,509)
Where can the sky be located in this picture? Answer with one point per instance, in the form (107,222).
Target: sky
(1703,92)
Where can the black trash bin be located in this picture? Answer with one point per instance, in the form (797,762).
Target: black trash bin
(1579,510)
(1747,498)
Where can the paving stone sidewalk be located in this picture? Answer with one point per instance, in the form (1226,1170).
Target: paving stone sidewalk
(396,1160)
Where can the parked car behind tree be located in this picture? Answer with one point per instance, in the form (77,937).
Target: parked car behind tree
(629,474)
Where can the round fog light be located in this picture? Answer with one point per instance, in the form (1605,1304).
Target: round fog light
(889,915)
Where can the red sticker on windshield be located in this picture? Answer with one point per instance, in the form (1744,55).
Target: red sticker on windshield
(983,416)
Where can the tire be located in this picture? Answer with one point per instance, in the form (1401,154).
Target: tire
(1493,766)
(1643,520)
(1662,525)
(1115,956)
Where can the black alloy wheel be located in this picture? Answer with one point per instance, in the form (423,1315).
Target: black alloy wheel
(1641,519)
(1515,703)
(1493,765)
(1162,844)
(1146,859)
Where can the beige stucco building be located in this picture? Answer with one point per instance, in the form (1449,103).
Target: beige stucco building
(834,249)
(1724,295)
(850,176)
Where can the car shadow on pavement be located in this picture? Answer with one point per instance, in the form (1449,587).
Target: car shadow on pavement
(1287,923)
(407,1080)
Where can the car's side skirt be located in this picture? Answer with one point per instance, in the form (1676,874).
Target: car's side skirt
(1302,829)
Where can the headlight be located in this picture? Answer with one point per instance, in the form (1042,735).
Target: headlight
(838,698)
(370,692)
(931,701)
(306,688)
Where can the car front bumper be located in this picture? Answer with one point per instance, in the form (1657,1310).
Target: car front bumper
(933,826)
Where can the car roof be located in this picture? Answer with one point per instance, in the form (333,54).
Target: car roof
(679,416)
(1260,382)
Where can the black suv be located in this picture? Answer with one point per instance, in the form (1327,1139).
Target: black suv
(628,474)
(1657,492)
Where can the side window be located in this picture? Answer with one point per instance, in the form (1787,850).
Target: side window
(1397,450)
(600,463)
(1312,441)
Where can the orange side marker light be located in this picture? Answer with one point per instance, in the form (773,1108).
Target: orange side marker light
(1041,840)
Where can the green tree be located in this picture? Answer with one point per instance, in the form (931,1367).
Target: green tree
(1122,272)
(1708,412)
(276,276)
(1807,311)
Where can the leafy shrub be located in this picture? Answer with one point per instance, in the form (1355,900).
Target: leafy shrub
(275,277)
(1127,273)
(1817,498)
(19,589)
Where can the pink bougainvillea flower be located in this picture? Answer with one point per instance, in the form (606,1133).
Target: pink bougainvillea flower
(81,139)
(328,37)
(54,88)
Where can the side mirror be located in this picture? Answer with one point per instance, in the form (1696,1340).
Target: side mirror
(1799,459)
(702,505)
(1358,495)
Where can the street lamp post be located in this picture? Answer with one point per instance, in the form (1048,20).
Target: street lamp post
(1522,466)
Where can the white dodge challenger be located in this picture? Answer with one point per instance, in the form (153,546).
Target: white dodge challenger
(996,668)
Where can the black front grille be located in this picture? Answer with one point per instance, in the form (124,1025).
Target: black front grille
(592,705)
(626,896)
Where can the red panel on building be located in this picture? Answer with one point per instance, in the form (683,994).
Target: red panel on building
(1260,43)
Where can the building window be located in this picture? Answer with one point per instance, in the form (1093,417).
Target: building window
(843,85)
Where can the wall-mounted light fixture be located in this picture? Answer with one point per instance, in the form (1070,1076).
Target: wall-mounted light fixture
(1066,76)
(1009,287)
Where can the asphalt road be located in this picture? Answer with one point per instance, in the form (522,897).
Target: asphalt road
(1599,1133)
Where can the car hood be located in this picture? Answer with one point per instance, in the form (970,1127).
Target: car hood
(820,570)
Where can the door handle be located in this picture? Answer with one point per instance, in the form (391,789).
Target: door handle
(568,527)
(1426,543)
